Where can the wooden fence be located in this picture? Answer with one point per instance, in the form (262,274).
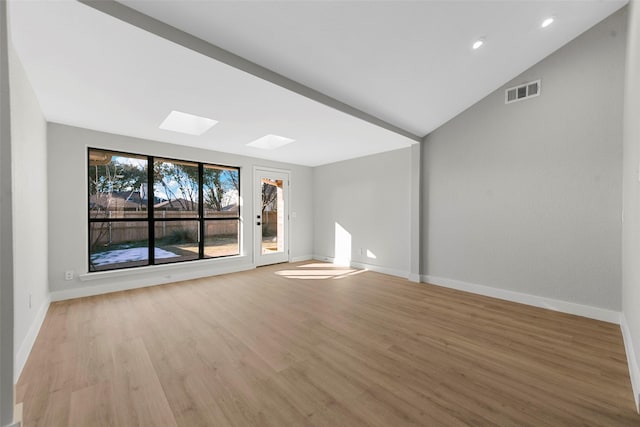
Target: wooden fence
(269,223)
(107,233)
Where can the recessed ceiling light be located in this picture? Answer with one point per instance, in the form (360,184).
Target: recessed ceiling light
(477,44)
(187,123)
(547,22)
(270,142)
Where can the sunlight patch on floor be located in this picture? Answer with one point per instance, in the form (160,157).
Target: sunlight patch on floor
(318,271)
(319,265)
(328,273)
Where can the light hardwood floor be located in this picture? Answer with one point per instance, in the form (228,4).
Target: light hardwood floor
(310,345)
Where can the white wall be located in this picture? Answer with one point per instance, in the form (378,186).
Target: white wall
(67,171)
(526,197)
(6,231)
(370,199)
(29,168)
(631,202)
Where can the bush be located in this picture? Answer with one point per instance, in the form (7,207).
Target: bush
(180,236)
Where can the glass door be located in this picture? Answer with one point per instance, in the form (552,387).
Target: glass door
(271,216)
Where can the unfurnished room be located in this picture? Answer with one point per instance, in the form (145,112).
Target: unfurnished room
(319,213)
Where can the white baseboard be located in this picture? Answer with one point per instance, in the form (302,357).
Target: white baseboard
(120,283)
(413,277)
(379,269)
(536,301)
(632,360)
(27,344)
(323,258)
(301,258)
(331,260)
(364,266)
(18,410)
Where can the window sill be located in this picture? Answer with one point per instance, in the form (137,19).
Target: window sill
(128,272)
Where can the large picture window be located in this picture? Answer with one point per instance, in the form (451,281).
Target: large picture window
(146,210)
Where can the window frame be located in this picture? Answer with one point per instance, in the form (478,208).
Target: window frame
(151,219)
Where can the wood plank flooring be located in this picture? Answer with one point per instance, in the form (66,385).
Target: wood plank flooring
(309,344)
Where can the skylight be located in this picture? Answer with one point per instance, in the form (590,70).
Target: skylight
(190,124)
(270,142)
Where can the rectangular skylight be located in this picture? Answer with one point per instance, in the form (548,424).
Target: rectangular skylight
(270,142)
(190,124)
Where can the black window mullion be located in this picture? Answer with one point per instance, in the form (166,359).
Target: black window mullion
(150,212)
(201,209)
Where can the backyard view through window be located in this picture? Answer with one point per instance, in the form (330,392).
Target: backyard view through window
(192,211)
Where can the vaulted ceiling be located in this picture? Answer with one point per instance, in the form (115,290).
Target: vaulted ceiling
(342,78)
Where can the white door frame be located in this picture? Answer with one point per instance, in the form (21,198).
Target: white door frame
(258,258)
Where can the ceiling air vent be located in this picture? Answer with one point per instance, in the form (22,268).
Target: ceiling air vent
(524,91)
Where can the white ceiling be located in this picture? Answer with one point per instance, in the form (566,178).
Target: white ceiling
(407,63)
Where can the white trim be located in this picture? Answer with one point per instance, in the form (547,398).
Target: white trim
(159,269)
(27,344)
(323,258)
(536,301)
(365,266)
(380,269)
(301,258)
(270,169)
(414,278)
(143,282)
(17,424)
(632,360)
(258,258)
(166,268)
(18,410)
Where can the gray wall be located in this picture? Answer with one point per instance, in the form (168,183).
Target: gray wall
(29,165)
(6,227)
(370,198)
(631,200)
(526,197)
(68,211)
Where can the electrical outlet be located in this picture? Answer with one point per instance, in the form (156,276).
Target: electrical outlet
(68,275)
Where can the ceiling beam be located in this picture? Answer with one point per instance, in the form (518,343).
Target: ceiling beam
(167,32)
